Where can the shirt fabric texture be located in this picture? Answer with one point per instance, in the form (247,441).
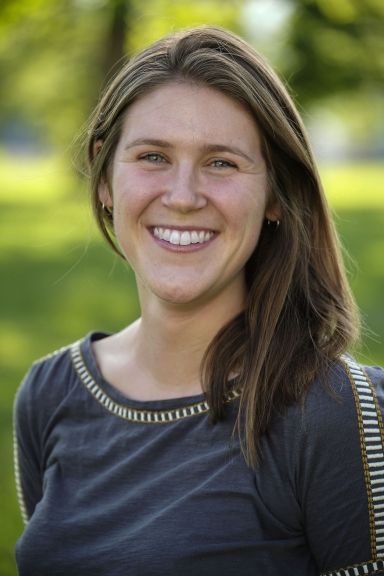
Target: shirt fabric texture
(112,486)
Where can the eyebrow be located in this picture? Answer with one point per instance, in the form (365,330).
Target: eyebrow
(206,148)
(221,148)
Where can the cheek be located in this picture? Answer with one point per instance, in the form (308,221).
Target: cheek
(245,211)
(132,191)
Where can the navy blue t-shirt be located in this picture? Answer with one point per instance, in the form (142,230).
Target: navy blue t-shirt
(112,486)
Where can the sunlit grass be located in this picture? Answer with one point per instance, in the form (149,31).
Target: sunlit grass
(353,186)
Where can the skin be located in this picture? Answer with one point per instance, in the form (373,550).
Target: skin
(169,172)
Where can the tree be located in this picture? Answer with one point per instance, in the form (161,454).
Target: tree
(57,55)
(333,47)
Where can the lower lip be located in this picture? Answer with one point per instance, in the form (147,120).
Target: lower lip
(180,248)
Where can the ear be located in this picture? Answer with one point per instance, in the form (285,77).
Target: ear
(96,148)
(273,212)
(103,188)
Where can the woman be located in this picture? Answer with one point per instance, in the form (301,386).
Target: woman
(224,432)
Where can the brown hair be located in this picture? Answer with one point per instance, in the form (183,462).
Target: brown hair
(300,315)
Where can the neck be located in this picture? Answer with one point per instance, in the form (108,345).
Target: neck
(170,340)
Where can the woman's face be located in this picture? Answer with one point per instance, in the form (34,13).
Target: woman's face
(189,192)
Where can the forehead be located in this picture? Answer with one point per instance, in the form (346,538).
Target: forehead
(190,111)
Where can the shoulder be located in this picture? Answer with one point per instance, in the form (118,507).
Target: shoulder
(49,373)
(337,399)
(332,408)
(46,385)
(342,411)
(340,466)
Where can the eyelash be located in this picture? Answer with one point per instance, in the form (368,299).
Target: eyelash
(147,157)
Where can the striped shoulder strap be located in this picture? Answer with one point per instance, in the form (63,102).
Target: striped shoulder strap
(371,432)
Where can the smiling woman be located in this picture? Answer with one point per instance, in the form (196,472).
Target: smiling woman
(202,178)
(180,185)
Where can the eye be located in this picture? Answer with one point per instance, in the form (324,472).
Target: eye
(153,158)
(222,164)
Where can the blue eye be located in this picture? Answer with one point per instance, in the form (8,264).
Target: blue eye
(154,158)
(222,164)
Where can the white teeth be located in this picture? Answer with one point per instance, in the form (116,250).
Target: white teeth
(166,235)
(183,238)
(175,237)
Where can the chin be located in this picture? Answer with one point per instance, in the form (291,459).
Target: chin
(178,295)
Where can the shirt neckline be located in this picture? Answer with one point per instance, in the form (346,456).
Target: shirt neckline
(156,411)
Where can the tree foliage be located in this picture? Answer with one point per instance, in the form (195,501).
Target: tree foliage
(335,46)
(56,55)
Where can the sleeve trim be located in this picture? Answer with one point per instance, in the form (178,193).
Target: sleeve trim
(52,354)
(371,443)
(19,487)
(371,567)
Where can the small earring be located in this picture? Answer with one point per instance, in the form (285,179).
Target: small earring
(105,209)
(275,222)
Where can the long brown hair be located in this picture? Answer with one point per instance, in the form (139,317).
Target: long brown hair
(300,315)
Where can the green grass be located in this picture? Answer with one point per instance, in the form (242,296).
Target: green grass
(354,186)
(59,281)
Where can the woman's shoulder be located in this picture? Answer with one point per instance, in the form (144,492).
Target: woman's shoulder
(49,380)
(338,430)
(341,405)
(335,402)
(334,457)
(342,394)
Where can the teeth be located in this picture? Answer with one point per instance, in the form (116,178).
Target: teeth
(166,235)
(175,237)
(183,238)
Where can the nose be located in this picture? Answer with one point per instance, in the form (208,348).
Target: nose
(183,192)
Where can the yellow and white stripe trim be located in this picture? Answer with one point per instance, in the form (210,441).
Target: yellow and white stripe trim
(146,416)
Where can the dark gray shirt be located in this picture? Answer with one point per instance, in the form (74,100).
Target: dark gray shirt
(117,487)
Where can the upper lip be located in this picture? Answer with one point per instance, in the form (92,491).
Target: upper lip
(182,228)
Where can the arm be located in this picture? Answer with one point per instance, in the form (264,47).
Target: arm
(340,473)
(44,388)
(27,448)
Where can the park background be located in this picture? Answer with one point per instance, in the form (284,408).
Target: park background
(58,279)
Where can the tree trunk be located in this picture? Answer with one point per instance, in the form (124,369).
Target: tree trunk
(115,42)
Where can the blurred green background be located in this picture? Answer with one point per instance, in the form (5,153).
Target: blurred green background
(58,279)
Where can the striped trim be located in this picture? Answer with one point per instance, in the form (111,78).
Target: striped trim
(151,417)
(371,442)
(19,488)
(367,568)
(52,354)
(16,466)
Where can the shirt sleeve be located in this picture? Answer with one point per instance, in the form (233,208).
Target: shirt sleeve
(41,392)
(27,449)
(340,472)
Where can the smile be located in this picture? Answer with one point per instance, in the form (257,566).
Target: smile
(183,238)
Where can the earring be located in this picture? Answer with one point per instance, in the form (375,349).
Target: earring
(106,210)
(275,222)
